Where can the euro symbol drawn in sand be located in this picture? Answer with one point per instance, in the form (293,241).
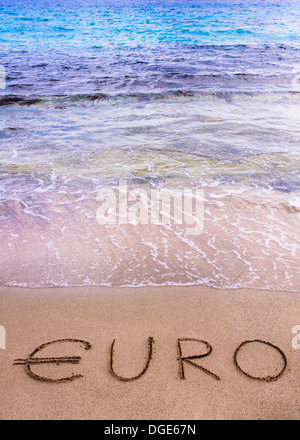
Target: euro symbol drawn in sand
(31,360)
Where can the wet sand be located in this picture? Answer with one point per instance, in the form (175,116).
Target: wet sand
(98,316)
(250,239)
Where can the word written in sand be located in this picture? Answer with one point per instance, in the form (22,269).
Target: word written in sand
(32,360)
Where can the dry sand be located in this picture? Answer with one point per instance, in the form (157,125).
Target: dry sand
(99,315)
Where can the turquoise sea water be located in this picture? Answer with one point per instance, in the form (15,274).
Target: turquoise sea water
(196,93)
(87,24)
(115,47)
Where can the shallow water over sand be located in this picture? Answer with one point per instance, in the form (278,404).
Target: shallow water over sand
(161,95)
(250,239)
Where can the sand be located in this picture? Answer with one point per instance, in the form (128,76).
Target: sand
(98,316)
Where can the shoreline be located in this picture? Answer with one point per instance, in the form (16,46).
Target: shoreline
(244,239)
(223,319)
(152,286)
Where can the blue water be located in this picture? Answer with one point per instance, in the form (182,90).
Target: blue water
(74,47)
(198,93)
(86,24)
(64,59)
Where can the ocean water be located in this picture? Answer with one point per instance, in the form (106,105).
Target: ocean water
(155,95)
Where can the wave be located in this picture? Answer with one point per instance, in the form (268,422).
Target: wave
(9,100)
(109,71)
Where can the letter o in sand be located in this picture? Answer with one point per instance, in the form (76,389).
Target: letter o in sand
(246,359)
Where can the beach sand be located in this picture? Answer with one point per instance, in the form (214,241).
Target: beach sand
(223,318)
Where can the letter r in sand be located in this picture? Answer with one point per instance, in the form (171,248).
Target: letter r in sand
(188,359)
